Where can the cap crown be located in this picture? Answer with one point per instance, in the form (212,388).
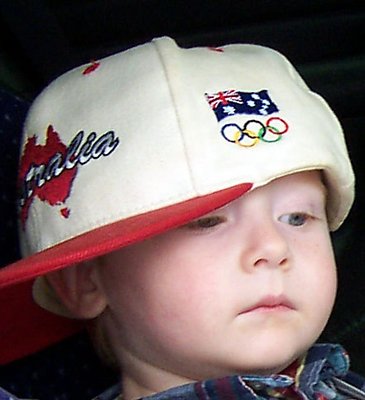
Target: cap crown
(158,125)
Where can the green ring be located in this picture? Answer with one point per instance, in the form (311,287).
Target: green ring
(262,132)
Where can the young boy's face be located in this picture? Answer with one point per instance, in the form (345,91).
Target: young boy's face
(245,289)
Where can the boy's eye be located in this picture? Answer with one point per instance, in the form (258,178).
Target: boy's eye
(294,219)
(205,222)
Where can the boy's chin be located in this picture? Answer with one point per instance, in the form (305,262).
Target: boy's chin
(269,361)
(274,352)
(269,358)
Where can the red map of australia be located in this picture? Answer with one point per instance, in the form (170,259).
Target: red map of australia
(33,176)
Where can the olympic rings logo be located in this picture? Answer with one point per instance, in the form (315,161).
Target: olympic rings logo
(254,131)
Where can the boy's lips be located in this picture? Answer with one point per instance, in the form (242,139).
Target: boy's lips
(270,303)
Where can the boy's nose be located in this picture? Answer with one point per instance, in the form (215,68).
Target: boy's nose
(268,248)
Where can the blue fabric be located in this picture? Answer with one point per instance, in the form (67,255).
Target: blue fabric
(69,370)
(4,395)
(12,115)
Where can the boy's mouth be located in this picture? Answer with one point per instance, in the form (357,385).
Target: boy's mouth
(270,303)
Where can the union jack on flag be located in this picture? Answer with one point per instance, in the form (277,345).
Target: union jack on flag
(223,98)
(232,102)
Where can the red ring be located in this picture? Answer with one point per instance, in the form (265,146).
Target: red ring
(281,120)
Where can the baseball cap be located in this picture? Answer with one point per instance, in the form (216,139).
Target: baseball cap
(140,142)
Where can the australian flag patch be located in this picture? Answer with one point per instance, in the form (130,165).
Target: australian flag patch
(232,102)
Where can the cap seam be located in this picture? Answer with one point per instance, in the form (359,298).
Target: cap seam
(177,116)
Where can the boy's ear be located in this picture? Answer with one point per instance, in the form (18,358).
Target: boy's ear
(78,289)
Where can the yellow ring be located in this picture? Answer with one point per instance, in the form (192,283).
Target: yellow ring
(251,135)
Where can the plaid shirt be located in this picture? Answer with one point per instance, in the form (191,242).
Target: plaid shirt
(322,374)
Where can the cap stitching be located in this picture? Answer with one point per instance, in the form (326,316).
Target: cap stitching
(178,119)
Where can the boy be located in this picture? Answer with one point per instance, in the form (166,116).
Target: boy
(189,193)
